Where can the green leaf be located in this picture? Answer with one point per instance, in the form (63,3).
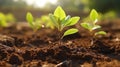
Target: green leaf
(29,18)
(60,13)
(101,33)
(96,27)
(2,16)
(72,21)
(93,15)
(70,31)
(3,23)
(66,20)
(37,25)
(87,26)
(10,17)
(53,19)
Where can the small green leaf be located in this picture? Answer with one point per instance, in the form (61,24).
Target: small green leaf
(66,20)
(60,13)
(29,18)
(95,21)
(3,23)
(93,15)
(10,17)
(70,31)
(37,26)
(72,21)
(96,27)
(53,19)
(2,16)
(101,33)
(87,26)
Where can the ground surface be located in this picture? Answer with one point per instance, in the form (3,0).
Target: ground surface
(21,47)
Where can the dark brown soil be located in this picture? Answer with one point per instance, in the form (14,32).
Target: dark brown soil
(21,47)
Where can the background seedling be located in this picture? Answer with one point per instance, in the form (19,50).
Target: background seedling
(45,21)
(3,22)
(33,24)
(108,17)
(60,21)
(10,17)
(91,26)
(6,19)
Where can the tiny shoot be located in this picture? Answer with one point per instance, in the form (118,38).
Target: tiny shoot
(90,24)
(34,25)
(46,21)
(10,17)
(60,21)
(3,22)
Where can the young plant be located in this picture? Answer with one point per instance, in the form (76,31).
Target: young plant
(60,21)
(3,22)
(91,26)
(45,21)
(10,17)
(34,25)
(6,19)
(90,23)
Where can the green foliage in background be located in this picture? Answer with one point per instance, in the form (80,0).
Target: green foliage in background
(46,21)
(35,25)
(104,5)
(3,22)
(109,15)
(10,17)
(5,19)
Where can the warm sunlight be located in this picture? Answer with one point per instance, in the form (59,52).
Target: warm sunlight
(40,3)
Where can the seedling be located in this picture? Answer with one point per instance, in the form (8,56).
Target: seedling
(109,15)
(5,18)
(91,26)
(3,22)
(60,21)
(10,17)
(45,21)
(34,25)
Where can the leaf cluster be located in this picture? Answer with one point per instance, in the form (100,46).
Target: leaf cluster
(3,22)
(46,21)
(35,25)
(60,21)
(10,17)
(5,18)
(90,23)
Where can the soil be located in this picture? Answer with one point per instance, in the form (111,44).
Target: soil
(21,47)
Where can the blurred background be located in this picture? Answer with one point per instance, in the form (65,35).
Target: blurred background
(81,8)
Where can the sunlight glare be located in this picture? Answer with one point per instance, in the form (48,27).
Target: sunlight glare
(40,3)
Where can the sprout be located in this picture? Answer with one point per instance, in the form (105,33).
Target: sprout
(60,21)
(5,18)
(100,32)
(70,31)
(3,22)
(90,23)
(10,17)
(46,21)
(34,25)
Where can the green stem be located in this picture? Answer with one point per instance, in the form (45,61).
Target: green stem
(91,37)
(60,38)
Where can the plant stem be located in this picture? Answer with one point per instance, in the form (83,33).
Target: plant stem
(91,38)
(60,38)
